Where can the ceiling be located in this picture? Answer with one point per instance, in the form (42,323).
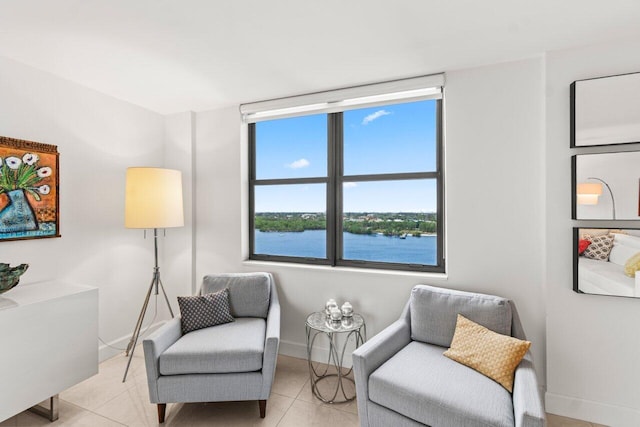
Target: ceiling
(179,55)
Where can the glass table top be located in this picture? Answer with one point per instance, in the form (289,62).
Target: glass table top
(319,322)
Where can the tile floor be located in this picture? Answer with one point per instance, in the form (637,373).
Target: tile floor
(104,401)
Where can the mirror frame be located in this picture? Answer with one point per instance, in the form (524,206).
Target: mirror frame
(575,92)
(574,187)
(576,257)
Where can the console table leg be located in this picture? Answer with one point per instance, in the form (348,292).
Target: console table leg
(51,413)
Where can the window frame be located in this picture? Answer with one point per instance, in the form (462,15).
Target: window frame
(334,181)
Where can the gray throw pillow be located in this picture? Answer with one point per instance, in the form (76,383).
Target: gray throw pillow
(206,310)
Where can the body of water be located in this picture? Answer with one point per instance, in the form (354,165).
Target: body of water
(361,247)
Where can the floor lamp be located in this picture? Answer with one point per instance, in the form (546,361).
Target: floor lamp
(588,194)
(153,200)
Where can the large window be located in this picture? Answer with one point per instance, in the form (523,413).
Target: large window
(359,187)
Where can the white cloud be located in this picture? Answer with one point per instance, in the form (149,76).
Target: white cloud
(371,117)
(298,164)
(349,185)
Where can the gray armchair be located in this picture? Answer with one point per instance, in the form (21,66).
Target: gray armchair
(229,362)
(403,379)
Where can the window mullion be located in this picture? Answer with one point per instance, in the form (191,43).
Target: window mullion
(440,188)
(392,176)
(334,192)
(289,181)
(331,189)
(339,175)
(252,178)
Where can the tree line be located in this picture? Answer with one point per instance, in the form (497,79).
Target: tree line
(391,226)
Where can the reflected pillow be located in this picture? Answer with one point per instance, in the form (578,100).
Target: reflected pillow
(621,253)
(632,265)
(599,248)
(495,355)
(582,245)
(628,240)
(585,232)
(202,311)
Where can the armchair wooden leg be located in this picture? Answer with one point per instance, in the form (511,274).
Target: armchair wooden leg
(162,407)
(263,408)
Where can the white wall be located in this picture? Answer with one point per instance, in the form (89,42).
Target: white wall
(593,348)
(177,269)
(494,171)
(494,179)
(98,137)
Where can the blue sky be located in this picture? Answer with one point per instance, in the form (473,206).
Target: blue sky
(388,139)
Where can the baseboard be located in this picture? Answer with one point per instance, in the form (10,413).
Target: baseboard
(293,349)
(105,352)
(320,354)
(587,410)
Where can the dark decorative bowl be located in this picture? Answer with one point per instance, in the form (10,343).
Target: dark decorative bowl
(10,276)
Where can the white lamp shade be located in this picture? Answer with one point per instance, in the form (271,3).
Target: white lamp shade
(588,193)
(153,198)
(590,188)
(587,199)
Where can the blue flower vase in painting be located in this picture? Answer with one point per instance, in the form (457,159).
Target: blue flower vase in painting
(18,215)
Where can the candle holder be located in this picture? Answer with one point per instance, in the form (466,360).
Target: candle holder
(347,322)
(330,304)
(347,309)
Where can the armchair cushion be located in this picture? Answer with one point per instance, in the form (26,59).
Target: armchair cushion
(422,384)
(232,347)
(434,312)
(249,293)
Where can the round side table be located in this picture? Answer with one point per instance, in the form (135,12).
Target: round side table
(354,329)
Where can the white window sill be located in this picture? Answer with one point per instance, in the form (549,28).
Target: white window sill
(293,265)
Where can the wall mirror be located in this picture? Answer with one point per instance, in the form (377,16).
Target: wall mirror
(605,261)
(606,186)
(605,110)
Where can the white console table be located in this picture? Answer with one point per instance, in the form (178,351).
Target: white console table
(48,342)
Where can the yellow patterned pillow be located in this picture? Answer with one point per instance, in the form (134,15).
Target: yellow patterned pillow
(632,265)
(495,355)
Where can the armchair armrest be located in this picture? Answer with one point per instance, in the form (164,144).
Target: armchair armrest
(372,354)
(271,343)
(527,403)
(153,347)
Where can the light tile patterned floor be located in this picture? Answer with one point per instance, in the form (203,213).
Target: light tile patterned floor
(104,400)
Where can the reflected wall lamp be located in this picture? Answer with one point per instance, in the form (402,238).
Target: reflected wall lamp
(588,194)
(153,199)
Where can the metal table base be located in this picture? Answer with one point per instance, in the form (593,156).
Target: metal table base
(356,332)
(51,413)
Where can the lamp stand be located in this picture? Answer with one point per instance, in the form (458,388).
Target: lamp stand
(156,284)
(613,201)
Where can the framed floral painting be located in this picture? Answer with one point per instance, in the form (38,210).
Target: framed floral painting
(29,190)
